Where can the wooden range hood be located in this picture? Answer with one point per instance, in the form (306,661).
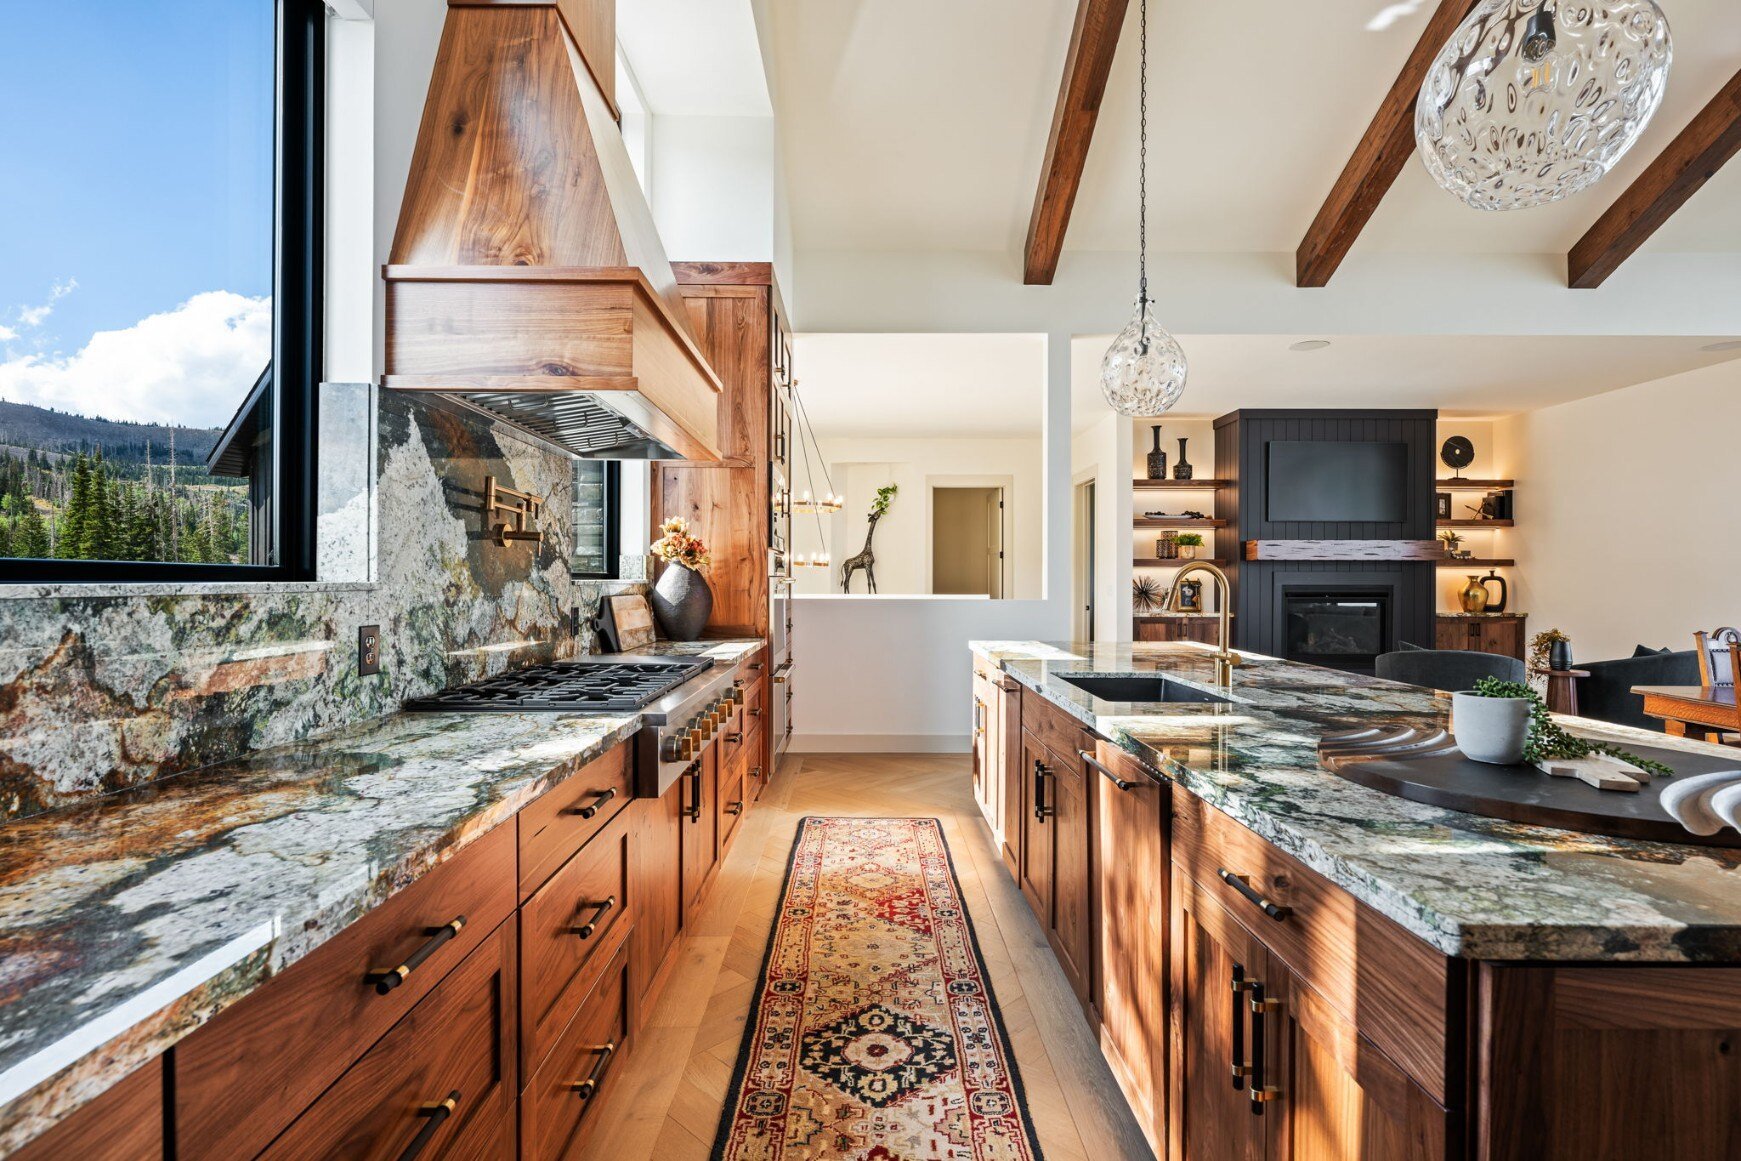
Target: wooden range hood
(526,275)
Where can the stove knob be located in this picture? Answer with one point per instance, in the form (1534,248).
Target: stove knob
(673,748)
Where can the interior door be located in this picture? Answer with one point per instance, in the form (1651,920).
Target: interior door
(1214,964)
(1036,853)
(967,533)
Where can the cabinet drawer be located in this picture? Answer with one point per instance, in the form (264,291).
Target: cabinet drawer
(556,1108)
(1394,987)
(1054,729)
(568,931)
(755,703)
(453,1052)
(732,736)
(123,1124)
(733,800)
(560,823)
(243,1077)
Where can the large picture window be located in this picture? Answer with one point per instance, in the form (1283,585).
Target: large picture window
(159,299)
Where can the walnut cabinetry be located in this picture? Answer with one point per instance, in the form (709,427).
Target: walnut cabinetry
(1205,630)
(1501,633)
(123,1124)
(1057,836)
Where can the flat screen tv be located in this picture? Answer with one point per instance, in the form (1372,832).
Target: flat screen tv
(1321,481)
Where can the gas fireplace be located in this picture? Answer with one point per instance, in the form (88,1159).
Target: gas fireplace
(1342,629)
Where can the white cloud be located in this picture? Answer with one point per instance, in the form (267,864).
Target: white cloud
(191,365)
(34,316)
(7,334)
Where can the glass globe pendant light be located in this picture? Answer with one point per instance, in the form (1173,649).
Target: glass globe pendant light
(1143,372)
(1533,100)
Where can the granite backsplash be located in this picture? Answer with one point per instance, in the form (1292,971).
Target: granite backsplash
(104,690)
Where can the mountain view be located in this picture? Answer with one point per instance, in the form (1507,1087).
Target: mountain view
(74,487)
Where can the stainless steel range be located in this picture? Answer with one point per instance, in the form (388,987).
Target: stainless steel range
(682,703)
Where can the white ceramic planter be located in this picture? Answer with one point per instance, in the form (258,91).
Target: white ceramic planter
(1490,729)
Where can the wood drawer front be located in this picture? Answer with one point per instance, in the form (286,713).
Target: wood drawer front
(458,1044)
(1394,987)
(1054,729)
(248,1073)
(734,791)
(555,826)
(732,736)
(123,1124)
(560,956)
(755,704)
(555,1117)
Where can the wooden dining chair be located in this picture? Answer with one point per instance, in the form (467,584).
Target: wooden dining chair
(1719,656)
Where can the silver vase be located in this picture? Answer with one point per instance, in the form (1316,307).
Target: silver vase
(681,602)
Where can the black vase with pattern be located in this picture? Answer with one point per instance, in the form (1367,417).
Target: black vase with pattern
(1182,469)
(1157,458)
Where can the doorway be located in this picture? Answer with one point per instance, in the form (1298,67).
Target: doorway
(967,542)
(1085,562)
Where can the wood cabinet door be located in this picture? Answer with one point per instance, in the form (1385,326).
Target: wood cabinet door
(658,890)
(123,1124)
(1011,773)
(1130,909)
(700,829)
(1036,855)
(1336,1097)
(1213,959)
(1502,637)
(1452,633)
(1072,929)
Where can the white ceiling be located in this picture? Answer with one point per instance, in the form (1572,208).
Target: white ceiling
(912,125)
(922,386)
(1459,374)
(695,58)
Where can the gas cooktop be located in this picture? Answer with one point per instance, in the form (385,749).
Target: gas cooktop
(567,687)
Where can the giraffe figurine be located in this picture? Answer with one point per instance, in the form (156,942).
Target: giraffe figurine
(866,559)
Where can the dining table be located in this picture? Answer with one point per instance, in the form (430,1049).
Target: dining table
(1706,712)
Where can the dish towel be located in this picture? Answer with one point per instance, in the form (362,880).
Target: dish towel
(1705,803)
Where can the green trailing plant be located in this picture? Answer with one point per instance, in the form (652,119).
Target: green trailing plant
(1190,540)
(885,497)
(1547,740)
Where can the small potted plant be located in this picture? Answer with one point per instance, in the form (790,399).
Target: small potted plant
(1550,650)
(1189,544)
(1491,721)
(1449,538)
(681,600)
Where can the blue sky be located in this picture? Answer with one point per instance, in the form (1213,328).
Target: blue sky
(135,175)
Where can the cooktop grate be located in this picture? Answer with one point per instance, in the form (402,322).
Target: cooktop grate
(567,686)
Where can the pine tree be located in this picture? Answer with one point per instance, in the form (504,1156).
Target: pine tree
(98,535)
(31,538)
(72,532)
(5,537)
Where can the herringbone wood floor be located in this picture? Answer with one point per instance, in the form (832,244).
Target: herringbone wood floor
(669,1091)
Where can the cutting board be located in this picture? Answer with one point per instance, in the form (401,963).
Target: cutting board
(634,621)
(1426,766)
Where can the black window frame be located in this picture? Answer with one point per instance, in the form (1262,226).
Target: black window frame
(613,510)
(299,197)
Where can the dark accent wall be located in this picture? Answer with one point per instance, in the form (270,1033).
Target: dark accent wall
(1240,440)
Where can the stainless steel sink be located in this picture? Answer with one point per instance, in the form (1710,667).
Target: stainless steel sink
(1140,688)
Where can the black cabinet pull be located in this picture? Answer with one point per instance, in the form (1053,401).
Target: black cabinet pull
(599,798)
(735,737)
(1261,1093)
(735,808)
(1121,783)
(1274,910)
(694,810)
(754,711)
(386,979)
(586,1088)
(435,1115)
(1241,1066)
(587,929)
(1041,773)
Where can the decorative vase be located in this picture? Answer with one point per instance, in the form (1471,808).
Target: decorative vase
(1560,655)
(1157,458)
(1490,729)
(1473,598)
(682,601)
(1167,547)
(1182,469)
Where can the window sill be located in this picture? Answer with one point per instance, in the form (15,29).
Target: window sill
(17,592)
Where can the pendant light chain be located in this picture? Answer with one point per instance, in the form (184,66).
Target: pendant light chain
(1142,168)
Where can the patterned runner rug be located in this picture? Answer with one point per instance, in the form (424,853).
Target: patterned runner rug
(874,1034)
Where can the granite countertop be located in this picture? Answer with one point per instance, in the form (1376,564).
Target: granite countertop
(1469,886)
(127,922)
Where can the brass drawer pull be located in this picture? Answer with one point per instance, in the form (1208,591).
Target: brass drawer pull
(386,979)
(435,1114)
(1240,883)
(586,930)
(694,809)
(1121,783)
(600,797)
(586,1088)
(1261,1093)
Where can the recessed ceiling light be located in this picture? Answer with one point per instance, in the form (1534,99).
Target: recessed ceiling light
(1309,345)
(1725,345)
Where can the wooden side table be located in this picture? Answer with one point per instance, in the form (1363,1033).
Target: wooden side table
(1562,689)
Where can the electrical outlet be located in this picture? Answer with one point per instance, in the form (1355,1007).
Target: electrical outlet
(368,650)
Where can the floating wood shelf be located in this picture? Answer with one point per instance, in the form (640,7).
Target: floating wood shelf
(1478,562)
(1475,485)
(1200,485)
(1179,522)
(1181,562)
(1344,550)
(1476,523)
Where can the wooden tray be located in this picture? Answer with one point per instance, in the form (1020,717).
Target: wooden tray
(1426,766)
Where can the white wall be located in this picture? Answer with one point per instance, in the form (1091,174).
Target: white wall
(1099,453)
(713,190)
(859,467)
(1626,512)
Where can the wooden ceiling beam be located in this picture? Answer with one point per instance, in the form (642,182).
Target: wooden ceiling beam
(1701,149)
(1377,160)
(1093,42)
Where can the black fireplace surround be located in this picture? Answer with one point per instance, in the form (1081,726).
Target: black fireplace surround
(1338,628)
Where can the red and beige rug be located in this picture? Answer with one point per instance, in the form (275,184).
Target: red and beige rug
(874,1034)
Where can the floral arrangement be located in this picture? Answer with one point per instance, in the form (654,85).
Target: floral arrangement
(678,547)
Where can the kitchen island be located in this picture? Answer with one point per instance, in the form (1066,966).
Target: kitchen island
(1405,980)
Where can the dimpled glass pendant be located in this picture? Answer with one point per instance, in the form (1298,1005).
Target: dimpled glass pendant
(1533,100)
(1144,369)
